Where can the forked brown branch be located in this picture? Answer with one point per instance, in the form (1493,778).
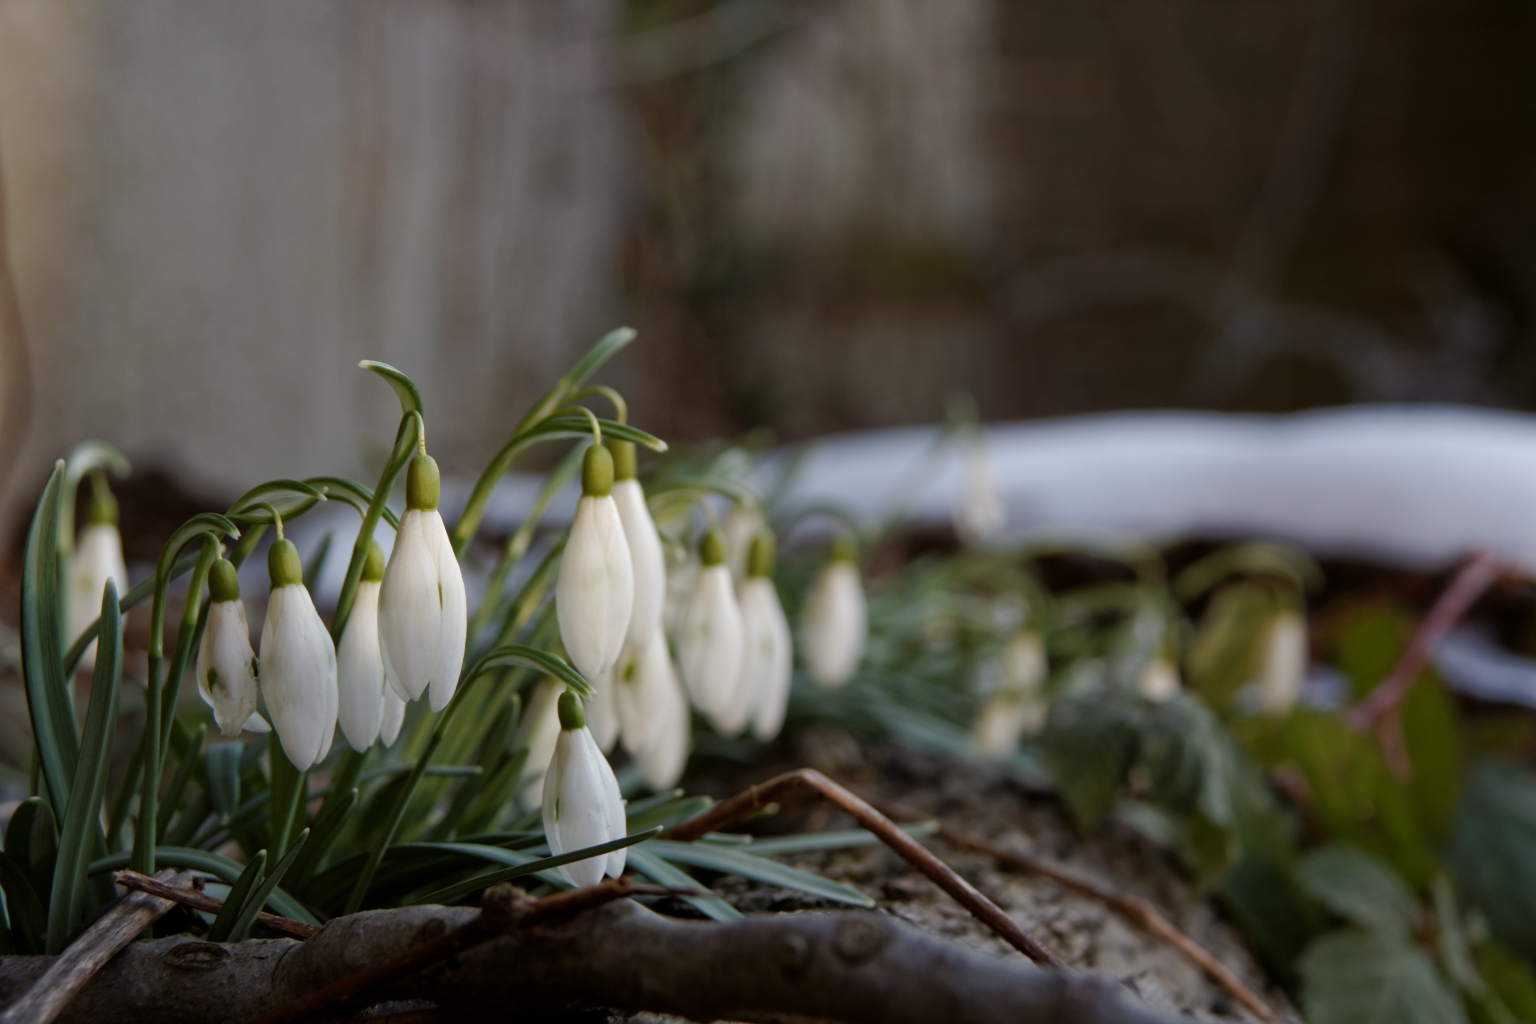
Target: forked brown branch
(199,900)
(727,812)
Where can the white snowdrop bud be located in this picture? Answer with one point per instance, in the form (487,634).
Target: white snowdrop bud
(1284,665)
(582,805)
(742,525)
(359,662)
(979,516)
(665,755)
(1158,680)
(595,591)
(640,679)
(767,651)
(834,622)
(647,559)
(393,716)
(423,613)
(602,715)
(98,557)
(1019,707)
(709,651)
(226,665)
(298,663)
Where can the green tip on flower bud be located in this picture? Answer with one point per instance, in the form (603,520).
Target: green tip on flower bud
(597,472)
(102,508)
(223,581)
(760,557)
(572,715)
(422,483)
(283,564)
(845,549)
(712,548)
(373,568)
(623,453)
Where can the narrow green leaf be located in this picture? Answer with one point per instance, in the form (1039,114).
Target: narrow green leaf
(662,873)
(405,446)
(48,702)
(317,563)
(670,812)
(242,928)
(32,842)
(221,768)
(405,388)
(235,901)
(734,861)
(214,864)
(521,864)
(837,840)
(289,795)
(332,819)
(190,758)
(522,654)
(29,926)
(67,899)
(353,493)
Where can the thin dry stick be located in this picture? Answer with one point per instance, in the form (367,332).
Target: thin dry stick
(122,922)
(505,907)
(199,900)
(1379,710)
(1134,907)
(967,895)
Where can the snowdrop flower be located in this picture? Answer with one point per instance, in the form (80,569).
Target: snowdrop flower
(834,622)
(709,651)
(298,662)
(423,615)
(359,662)
(682,580)
(582,805)
(767,653)
(595,591)
(641,680)
(1158,680)
(663,759)
(1284,664)
(1019,707)
(393,716)
(979,516)
(741,528)
(602,715)
(226,665)
(647,560)
(98,557)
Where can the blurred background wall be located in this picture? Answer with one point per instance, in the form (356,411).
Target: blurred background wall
(820,215)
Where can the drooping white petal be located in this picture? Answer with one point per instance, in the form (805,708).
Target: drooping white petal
(578,804)
(98,557)
(1158,680)
(775,661)
(834,623)
(298,675)
(647,560)
(666,755)
(613,802)
(360,671)
(1024,664)
(762,656)
(979,516)
(642,680)
(256,724)
(682,580)
(1284,665)
(602,715)
(595,591)
(538,731)
(393,716)
(226,678)
(410,607)
(709,651)
(455,617)
(1005,718)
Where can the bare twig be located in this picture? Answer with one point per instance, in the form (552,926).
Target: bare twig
(967,895)
(504,907)
(1379,711)
(69,972)
(199,900)
(1133,907)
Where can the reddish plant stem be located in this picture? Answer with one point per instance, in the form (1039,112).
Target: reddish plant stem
(199,900)
(727,812)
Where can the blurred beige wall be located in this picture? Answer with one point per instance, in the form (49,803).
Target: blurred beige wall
(217,209)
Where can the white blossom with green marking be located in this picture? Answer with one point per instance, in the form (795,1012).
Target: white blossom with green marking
(226,665)
(582,805)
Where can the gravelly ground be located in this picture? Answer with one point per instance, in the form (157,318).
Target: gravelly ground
(1087,934)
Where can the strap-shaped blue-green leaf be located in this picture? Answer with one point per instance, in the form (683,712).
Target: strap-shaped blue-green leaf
(235,900)
(214,864)
(32,841)
(29,925)
(662,873)
(405,388)
(242,928)
(406,437)
(842,839)
(255,506)
(353,493)
(81,813)
(669,812)
(522,654)
(730,860)
(191,755)
(317,562)
(221,770)
(48,702)
(520,864)
(333,817)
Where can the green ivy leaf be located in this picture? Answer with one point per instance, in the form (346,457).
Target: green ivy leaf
(1359,888)
(1374,977)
